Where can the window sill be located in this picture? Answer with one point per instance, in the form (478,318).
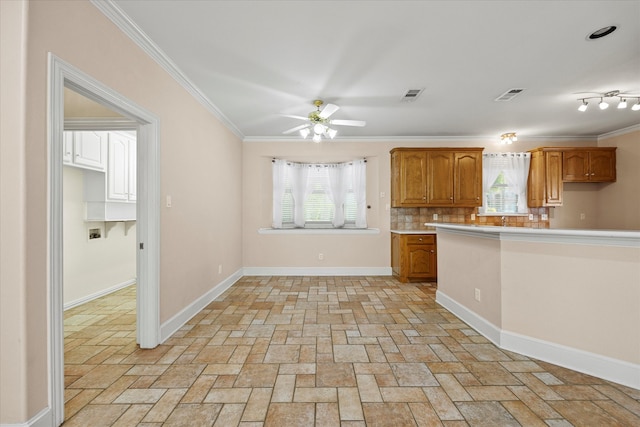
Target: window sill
(342,231)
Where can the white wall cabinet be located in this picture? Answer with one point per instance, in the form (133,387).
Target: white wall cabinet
(85,149)
(121,173)
(110,190)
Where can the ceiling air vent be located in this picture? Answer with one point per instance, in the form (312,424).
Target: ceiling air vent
(411,94)
(509,95)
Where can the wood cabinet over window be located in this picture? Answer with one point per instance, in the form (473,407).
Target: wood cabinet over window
(589,165)
(414,257)
(437,177)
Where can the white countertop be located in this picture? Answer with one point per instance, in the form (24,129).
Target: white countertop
(556,235)
(429,231)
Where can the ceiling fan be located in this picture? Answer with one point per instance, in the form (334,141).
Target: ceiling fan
(319,122)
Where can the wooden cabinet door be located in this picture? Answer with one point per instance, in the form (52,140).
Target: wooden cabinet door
(413,178)
(440,178)
(467,179)
(602,166)
(575,166)
(421,260)
(553,178)
(544,186)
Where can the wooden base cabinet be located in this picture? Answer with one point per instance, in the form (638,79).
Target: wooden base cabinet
(414,257)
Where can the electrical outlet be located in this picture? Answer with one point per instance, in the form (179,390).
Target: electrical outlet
(477,294)
(435,217)
(530,217)
(382,194)
(473,217)
(220,269)
(544,217)
(320,256)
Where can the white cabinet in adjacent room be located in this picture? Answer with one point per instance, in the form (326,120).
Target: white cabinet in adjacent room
(85,149)
(121,173)
(110,195)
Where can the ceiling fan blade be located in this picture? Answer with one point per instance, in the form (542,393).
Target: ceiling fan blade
(359,123)
(295,117)
(297,128)
(328,110)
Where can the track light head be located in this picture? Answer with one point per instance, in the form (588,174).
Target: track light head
(583,106)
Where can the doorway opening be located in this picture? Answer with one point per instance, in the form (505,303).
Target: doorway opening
(63,75)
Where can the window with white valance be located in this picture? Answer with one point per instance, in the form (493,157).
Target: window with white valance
(504,183)
(319,195)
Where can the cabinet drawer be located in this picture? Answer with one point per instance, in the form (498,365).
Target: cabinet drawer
(421,239)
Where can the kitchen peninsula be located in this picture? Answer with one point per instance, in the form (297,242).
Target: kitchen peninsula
(570,297)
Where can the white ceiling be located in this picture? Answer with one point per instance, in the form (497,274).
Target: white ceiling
(257,60)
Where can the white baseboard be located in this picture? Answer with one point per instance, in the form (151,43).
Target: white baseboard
(169,327)
(317,271)
(480,324)
(98,294)
(618,371)
(43,419)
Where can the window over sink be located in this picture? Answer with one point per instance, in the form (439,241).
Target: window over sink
(504,183)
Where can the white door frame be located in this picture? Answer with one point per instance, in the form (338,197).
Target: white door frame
(62,74)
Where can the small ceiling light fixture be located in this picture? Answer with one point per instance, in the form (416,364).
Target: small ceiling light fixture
(603,105)
(602,32)
(622,104)
(583,106)
(508,138)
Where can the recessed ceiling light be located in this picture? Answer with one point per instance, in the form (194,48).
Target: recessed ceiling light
(604,31)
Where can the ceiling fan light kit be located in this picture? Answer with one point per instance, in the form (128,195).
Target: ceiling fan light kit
(319,123)
(508,138)
(603,105)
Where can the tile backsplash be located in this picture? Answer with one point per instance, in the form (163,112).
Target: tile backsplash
(415,218)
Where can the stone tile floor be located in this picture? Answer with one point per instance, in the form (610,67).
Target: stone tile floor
(324,351)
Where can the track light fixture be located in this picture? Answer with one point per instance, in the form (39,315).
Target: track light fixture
(508,138)
(603,105)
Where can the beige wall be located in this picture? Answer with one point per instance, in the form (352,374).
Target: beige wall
(92,266)
(348,251)
(200,168)
(619,202)
(13,261)
(585,297)
(469,263)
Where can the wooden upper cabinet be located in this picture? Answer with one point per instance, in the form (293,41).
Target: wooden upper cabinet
(544,186)
(444,177)
(468,179)
(589,165)
(440,178)
(408,178)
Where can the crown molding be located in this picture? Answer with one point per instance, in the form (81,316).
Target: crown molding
(619,132)
(395,139)
(135,33)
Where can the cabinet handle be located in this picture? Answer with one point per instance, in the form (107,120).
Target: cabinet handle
(420,239)
(451,198)
(586,174)
(432,251)
(593,173)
